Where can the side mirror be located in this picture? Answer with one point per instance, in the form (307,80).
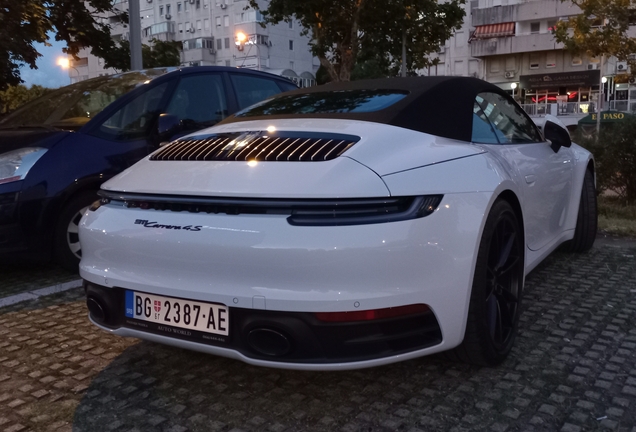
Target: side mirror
(168,125)
(558,136)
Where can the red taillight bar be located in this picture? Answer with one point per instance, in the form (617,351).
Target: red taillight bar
(372,314)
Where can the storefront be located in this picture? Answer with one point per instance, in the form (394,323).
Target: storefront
(574,92)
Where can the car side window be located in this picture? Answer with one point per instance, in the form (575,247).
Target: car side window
(135,118)
(199,101)
(252,89)
(511,124)
(483,131)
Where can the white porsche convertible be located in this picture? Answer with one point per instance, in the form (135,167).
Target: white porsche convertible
(343,226)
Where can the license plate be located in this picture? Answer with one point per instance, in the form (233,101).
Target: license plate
(186,314)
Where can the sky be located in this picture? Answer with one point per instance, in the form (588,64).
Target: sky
(48,73)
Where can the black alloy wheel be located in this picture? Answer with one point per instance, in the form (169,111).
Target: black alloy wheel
(503,281)
(587,218)
(495,301)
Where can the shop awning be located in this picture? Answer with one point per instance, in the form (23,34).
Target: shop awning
(494,31)
(606,117)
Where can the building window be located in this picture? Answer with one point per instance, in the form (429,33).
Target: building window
(161,10)
(180,26)
(535,27)
(167,9)
(227,42)
(219,44)
(552,25)
(206,24)
(179,7)
(534,61)
(459,39)
(227,63)
(510,63)
(577,61)
(291,45)
(494,66)
(291,24)
(198,25)
(226,21)
(459,68)
(291,65)
(185,6)
(218,21)
(550,59)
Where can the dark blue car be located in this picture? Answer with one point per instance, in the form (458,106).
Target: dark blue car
(57,150)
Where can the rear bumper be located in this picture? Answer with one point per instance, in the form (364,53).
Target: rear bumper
(280,338)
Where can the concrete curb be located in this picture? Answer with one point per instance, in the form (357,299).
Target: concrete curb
(33,295)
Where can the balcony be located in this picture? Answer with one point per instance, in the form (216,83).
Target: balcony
(198,50)
(513,44)
(527,11)
(164,31)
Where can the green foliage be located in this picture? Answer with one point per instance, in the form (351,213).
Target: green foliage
(15,96)
(340,30)
(601,28)
(26,22)
(160,54)
(615,155)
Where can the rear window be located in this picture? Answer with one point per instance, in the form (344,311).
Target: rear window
(346,101)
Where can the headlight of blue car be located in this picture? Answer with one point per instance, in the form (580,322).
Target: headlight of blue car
(15,165)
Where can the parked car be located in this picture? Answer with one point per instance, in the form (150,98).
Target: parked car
(57,150)
(344,226)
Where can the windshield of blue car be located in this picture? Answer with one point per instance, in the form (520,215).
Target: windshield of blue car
(346,101)
(72,106)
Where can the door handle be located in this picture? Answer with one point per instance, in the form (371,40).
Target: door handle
(531,178)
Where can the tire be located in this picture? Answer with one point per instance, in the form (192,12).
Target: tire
(67,249)
(493,314)
(587,219)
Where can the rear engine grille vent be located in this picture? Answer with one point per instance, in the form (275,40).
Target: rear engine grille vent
(258,146)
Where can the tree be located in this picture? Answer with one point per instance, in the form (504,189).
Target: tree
(16,96)
(615,156)
(340,29)
(600,29)
(26,22)
(160,54)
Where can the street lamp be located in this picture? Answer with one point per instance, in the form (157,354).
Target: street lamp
(241,40)
(65,64)
(513,86)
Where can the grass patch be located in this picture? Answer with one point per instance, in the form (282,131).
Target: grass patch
(616,217)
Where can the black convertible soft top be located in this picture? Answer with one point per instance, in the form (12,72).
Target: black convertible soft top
(440,105)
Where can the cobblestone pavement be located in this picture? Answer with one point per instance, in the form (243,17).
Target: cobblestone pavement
(573,369)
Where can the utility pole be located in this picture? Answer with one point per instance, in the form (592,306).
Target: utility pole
(600,97)
(404,52)
(134,18)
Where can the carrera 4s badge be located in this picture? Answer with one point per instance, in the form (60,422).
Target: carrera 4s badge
(155,224)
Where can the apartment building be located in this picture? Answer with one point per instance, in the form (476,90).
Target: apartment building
(213,32)
(510,43)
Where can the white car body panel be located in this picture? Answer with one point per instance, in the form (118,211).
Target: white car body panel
(341,177)
(257,261)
